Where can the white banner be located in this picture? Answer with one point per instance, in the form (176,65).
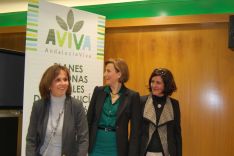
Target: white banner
(71,37)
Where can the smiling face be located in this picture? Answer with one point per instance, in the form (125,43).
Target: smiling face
(111,76)
(157,86)
(60,84)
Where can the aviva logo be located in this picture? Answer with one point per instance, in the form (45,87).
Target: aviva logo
(69,36)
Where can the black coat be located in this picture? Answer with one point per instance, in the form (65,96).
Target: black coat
(174,138)
(129,111)
(75,128)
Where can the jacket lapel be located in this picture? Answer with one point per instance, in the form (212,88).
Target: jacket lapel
(123,102)
(150,115)
(99,103)
(149,111)
(166,116)
(45,118)
(167,113)
(66,119)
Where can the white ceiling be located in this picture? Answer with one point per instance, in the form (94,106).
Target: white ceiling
(21,5)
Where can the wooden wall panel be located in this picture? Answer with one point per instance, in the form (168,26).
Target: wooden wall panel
(15,41)
(203,68)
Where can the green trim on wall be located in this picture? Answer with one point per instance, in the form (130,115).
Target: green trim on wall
(152,8)
(13,19)
(148,8)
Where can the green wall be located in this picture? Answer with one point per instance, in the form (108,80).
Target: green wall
(147,8)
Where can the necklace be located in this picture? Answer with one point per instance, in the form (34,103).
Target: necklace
(117,89)
(113,96)
(55,127)
(53,130)
(113,93)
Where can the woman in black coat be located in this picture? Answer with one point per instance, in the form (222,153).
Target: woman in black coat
(111,109)
(161,133)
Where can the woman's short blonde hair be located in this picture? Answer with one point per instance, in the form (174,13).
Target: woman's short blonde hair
(120,66)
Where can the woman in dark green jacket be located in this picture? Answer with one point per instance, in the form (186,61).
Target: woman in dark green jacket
(111,109)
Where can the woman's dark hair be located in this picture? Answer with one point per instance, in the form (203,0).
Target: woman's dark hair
(168,80)
(49,75)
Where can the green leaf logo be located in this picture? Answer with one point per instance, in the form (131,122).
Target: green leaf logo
(78,26)
(61,23)
(70,19)
(70,23)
